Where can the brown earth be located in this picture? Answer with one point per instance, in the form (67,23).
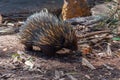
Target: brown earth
(48,68)
(45,68)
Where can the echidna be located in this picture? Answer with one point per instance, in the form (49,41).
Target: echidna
(46,31)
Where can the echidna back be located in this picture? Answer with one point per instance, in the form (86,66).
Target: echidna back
(47,32)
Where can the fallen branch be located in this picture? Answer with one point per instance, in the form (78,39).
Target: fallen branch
(14,18)
(10,30)
(86,20)
(97,41)
(92,34)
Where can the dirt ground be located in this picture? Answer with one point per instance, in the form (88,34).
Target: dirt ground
(55,68)
(45,68)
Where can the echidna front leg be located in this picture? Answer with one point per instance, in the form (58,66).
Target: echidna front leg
(28,47)
(48,50)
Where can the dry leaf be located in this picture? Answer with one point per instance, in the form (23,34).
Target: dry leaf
(10,24)
(30,64)
(5,49)
(86,49)
(87,76)
(87,63)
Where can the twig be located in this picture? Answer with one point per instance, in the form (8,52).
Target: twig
(14,18)
(100,39)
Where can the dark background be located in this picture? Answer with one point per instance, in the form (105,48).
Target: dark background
(13,6)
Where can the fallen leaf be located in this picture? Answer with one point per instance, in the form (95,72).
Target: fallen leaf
(30,64)
(5,49)
(10,24)
(71,77)
(87,76)
(87,63)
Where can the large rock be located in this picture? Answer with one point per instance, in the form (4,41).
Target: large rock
(75,8)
